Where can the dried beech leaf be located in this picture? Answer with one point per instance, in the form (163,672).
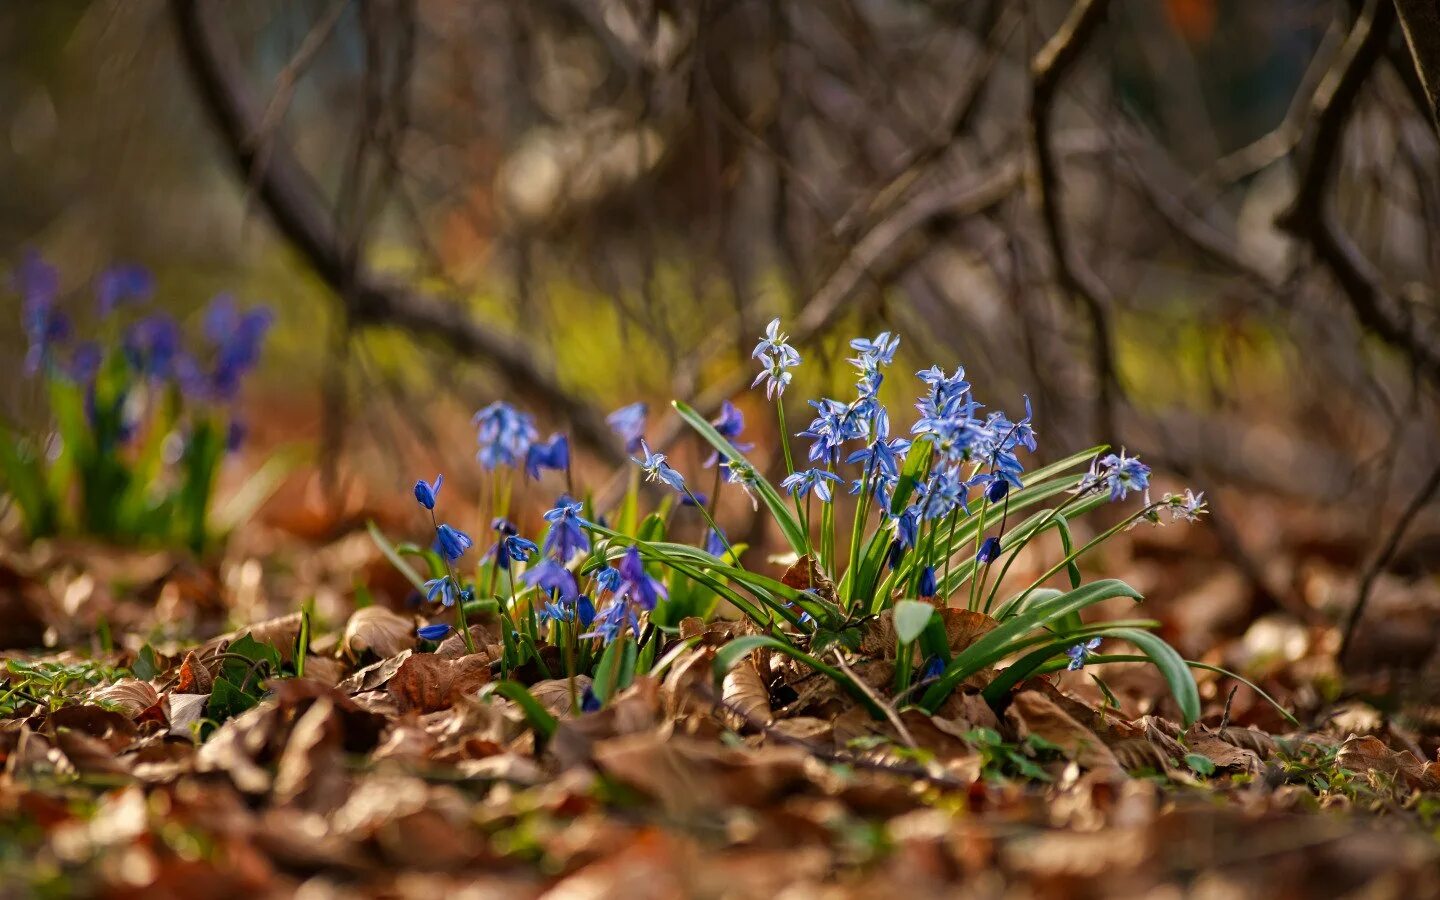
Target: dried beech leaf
(426,683)
(747,696)
(964,627)
(129,695)
(378,631)
(1041,716)
(311,773)
(554,694)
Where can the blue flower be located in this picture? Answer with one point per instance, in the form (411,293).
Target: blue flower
(432,632)
(85,362)
(989,551)
(235,434)
(636,584)
(122,283)
(152,345)
(934,667)
(729,424)
(237,338)
(588,701)
(442,589)
(894,554)
(836,423)
(907,525)
(997,490)
(944,492)
(550,576)
(567,531)
(452,541)
(715,543)
(552,454)
(512,548)
(816,480)
(612,619)
(608,578)
(426,492)
(879,352)
(1119,474)
(629,423)
(927,586)
(584,611)
(656,469)
(777,357)
(1081,652)
(503,526)
(1187,507)
(504,435)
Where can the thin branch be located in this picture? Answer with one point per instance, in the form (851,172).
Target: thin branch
(1422,498)
(1420,20)
(1048,70)
(1311,216)
(295,205)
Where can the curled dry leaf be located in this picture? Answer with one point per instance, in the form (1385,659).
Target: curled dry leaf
(374,675)
(747,698)
(378,631)
(554,694)
(805,574)
(194,677)
(183,711)
(1369,754)
(426,683)
(130,696)
(1042,717)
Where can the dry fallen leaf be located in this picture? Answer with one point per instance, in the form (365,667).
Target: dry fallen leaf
(746,694)
(378,631)
(426,683)
(194,677)
(1040,716)
(130,695)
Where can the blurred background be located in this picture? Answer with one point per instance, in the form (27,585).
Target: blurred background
(1203,229)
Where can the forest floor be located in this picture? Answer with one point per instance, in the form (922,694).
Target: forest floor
(154,751)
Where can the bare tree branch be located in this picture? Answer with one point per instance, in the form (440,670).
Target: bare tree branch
(1311,216)
(295,205)
(1420,20)
(1048,71)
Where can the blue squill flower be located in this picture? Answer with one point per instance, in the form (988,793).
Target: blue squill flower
(1080,653)
(945,491)
(237,337)
(567,531)
(608,578)
(907,525)
(997,490)
(152,345)
(551,576)
(927,585)
(85,362)
(629,423)
(432,632)
(588,701)
(44,324)
(452,541)
(729,424)
(553,454)
(777,357)
(584,611)
(934,667)
(715,543)
(1119,474)
(989,551)
(1187,507)
(611,620)
(426,491)
(636,584)
(512,548)
(120,284)
(441,590)
(504,435)
(503,526)
(656,469)
(811,480)
(879,352)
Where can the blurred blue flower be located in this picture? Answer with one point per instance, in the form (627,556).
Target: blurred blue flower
(715,543)
(567,531)
(551,576)
(432,632)
(588,701)
(1080,653)
(85,362)
(553,454)
(44,324)
(426,492)
(237,337)
(443,589)
(808,480)
(612,619)
(452,541)
(729,423)
(512,548)
(504,435)
(934,667)
(629,423)
(152,345)
(122,283)
(656,469)
(1186,507)
(503,526)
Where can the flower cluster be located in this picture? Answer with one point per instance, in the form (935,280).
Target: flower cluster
(504,434)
